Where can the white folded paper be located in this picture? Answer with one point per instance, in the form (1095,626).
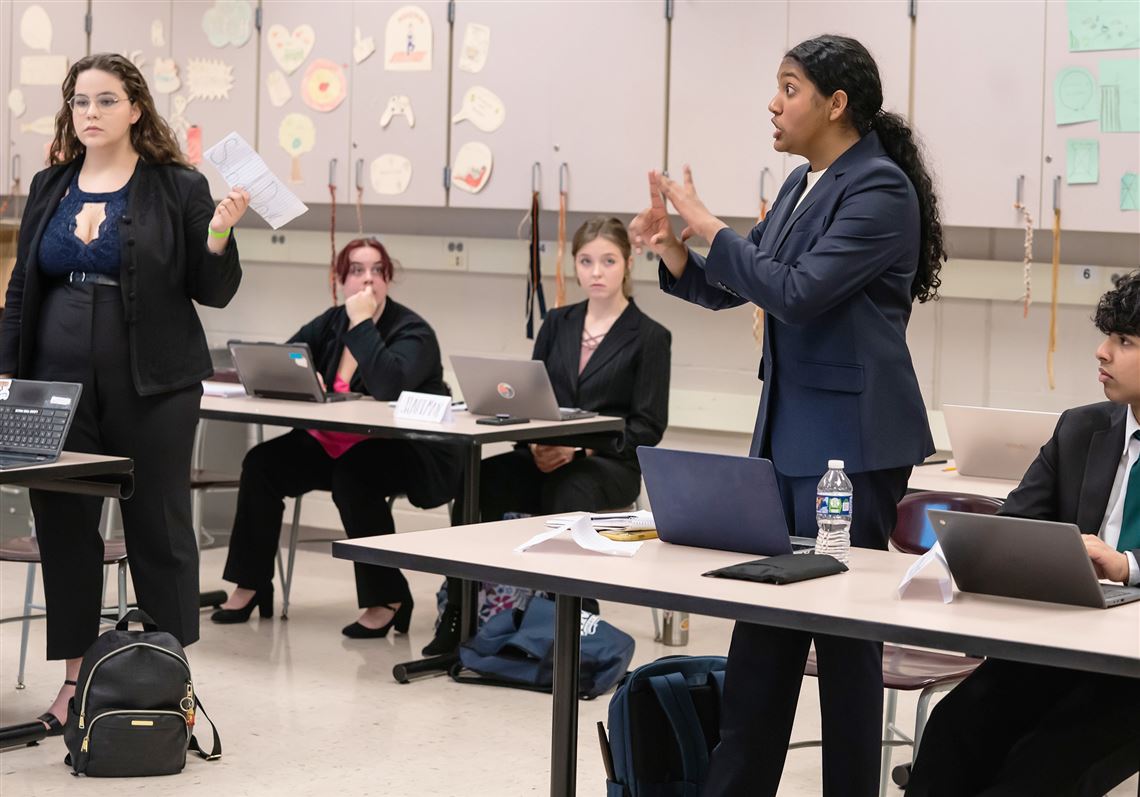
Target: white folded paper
(427,407)
(585,537)
(945,582)
(223,389)
(609,521)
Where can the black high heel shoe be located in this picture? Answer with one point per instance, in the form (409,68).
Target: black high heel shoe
(446,634)
(54,726)
(401,621)
(262,599)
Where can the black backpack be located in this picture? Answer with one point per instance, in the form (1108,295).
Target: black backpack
(134,707)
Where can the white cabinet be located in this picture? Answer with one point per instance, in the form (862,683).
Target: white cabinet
(233,54)
(302,137)
(63,41)
(137,29)
(582,84)
(1085,206)
(719,122)
(977,106)
(424,143)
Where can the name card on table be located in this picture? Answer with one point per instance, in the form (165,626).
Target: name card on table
(423,407)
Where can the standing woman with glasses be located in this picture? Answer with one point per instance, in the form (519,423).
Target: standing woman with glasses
(371,345)
(119,238)
(852,241)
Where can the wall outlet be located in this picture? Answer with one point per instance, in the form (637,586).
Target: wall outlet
(455,255)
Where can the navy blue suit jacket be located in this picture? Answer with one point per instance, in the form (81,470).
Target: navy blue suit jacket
(833,276)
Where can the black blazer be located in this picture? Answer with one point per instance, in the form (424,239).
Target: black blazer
(628,374)
(1072,477)
(833,275)
(166,267)
(399,352)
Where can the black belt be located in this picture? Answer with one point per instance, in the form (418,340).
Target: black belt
(93,277)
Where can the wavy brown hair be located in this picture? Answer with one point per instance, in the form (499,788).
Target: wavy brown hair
(151,136)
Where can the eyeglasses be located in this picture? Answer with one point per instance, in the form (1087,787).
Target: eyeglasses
(80,103)
(359,269)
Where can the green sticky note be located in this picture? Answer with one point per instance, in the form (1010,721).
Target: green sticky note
(1103,25)
(1076,97)
(1082,161)
(1129,191)
(1120,95)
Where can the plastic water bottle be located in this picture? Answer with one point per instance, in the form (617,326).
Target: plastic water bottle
(833,512)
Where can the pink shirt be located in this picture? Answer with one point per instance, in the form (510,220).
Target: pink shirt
(336,443)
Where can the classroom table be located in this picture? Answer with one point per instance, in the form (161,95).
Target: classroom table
(85,474)
(945,477)
(862,603)
(377,418)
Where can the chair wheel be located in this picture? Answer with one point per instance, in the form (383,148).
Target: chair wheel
(901,774)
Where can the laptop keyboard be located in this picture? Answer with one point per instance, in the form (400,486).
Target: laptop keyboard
(31,427)
(572,414)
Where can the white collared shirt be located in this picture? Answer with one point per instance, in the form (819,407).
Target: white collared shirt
(1114,517)
(812,179)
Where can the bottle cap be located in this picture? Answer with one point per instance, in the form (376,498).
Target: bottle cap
(835,464)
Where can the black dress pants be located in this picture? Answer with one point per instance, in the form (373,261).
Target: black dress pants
(83,338)
(766,669)
(1021,730)
(511,482)
(361,480)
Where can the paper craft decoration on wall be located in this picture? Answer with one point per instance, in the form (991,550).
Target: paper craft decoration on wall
(165,79)
(16,103)
(1120,96)
(1076,97)
(398,105)
(177,119)
(324,86)
(44,126)
(194,144)
(476,43)
(35,28)
(157,35)
(391,174)
(43,70)
(472,167)
(136,57)
(1129,191)
(408,41)
(209,79)
(228,22)
(296,135)
(363,46)
(483,108)
(278,87)
(1082,161)
(290,49)
(1103,25)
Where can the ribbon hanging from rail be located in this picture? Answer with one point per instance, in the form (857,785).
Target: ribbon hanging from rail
(534,270)
(559,279)
(1056,272)
(332,230)
(1027,255)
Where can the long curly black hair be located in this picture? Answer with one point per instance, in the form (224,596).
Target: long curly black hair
(1118,312)
(835,63)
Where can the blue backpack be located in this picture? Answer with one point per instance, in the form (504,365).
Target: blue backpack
(664,720)
(516,648)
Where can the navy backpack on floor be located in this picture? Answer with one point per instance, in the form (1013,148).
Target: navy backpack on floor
(516,648)
(664,720)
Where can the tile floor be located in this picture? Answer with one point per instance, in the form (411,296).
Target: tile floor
(304,711)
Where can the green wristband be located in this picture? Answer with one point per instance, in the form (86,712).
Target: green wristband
(213,234)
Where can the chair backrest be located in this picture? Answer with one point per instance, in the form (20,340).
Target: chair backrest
(913,532)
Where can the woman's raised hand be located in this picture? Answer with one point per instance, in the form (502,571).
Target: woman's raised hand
(683,197)
(651,228)
(229,211)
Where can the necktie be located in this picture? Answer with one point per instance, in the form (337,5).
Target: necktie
(1130,522)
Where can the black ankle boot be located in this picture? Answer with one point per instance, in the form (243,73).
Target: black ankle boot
(446,634)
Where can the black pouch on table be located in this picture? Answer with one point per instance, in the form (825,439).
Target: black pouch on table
(783,569)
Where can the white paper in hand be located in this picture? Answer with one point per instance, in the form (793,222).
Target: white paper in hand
(238,164)
(945,581)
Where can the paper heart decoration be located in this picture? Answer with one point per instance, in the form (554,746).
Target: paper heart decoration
(290,50)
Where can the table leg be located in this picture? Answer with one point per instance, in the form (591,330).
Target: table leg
(564,746)
(438,665)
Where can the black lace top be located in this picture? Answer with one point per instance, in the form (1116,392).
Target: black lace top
(61,251)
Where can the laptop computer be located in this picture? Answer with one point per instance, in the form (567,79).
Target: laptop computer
(996,443)
(1015,557)
(717,501)
(34,420)
(512,388)
(280,371)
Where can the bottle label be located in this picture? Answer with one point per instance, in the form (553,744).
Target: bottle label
(833,505)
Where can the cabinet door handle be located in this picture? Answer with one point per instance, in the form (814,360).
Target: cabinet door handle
(1020,190)
(332,173)
(359,173)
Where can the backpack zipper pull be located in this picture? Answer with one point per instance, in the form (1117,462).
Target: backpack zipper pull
(83,747)
(187,704)
(81,720)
